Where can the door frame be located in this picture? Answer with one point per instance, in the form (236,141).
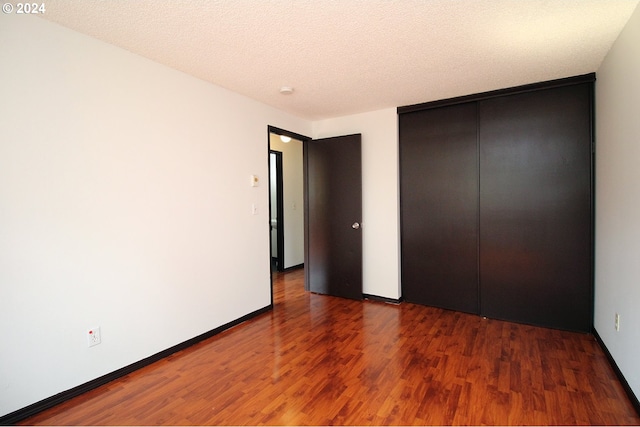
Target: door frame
(278,131)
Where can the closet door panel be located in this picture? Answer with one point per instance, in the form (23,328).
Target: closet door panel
(535,207)
(439,207)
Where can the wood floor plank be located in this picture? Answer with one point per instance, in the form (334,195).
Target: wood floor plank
(320,360)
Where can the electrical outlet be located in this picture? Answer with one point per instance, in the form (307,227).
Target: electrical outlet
(93,336)
(617,322)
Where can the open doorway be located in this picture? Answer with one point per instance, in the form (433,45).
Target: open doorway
(321,184)
(286,199)
(276,210)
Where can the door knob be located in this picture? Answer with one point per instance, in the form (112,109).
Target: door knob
(355,225)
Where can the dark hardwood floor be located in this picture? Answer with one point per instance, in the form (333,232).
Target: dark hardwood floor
(319,360)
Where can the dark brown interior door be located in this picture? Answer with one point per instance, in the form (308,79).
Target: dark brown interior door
(333,216)
(535,207)
(439,212)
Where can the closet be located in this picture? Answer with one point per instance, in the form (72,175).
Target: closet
(496,194)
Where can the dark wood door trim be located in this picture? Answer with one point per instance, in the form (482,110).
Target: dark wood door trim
(279,131)
(568,81)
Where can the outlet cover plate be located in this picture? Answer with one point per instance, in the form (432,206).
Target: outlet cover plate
(93,336)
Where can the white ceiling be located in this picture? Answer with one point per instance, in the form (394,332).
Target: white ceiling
(351,56)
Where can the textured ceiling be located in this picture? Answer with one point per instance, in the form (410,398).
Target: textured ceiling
(351,56)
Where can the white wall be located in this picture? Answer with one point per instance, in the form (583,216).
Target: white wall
(293,199)
(125,203)
(380,195)
(617,266)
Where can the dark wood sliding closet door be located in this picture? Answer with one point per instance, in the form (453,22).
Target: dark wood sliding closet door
(439,213)
(535,207)
(497,203)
